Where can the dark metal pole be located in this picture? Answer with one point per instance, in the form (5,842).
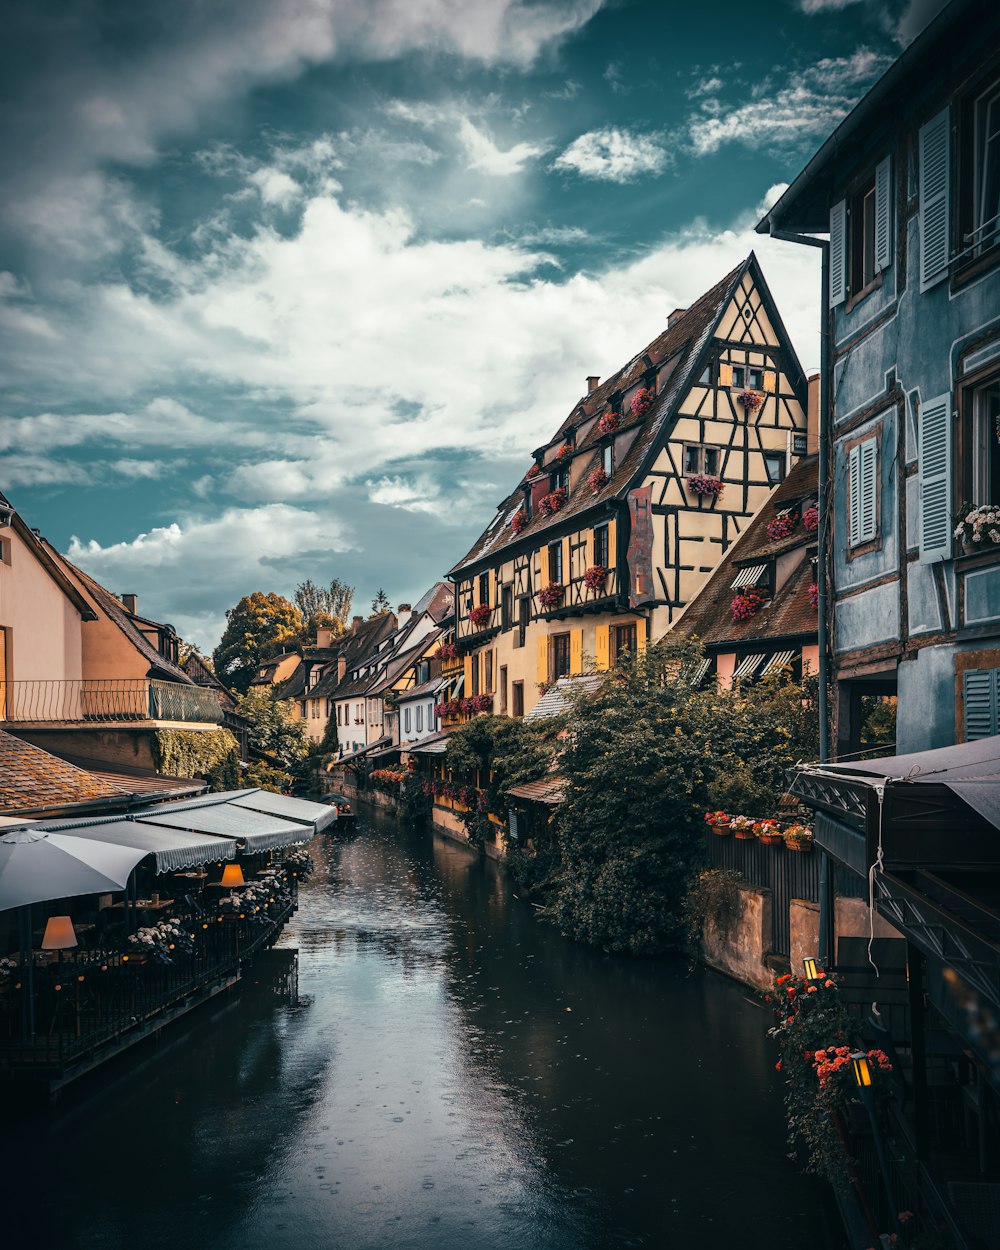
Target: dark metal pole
(918,1049)
(869,1102)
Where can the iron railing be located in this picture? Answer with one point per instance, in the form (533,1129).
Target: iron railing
(106,700)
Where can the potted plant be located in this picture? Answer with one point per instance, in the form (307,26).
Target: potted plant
(782,526)
(565,450)
(447,651)
(553,502)
(642,401)
(480,615)
(703,484)
(812,590)
(751,401)
(742,828)
(810,518)
(799,838)
(519,520)
(768,832)
(608,423)
(978,527)
(746,604)
(551,596)
(597,479)
(719,823)
(595,577)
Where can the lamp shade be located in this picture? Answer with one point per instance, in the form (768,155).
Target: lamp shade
(59,933)
(232,874)
(812,974)
(862,1069)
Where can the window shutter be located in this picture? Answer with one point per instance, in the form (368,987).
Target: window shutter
(603,647)
(935,479)
(935,215)
(612,543)
(770,381)
(725,374)
(467,688)
(576,652)
(980,699)
(543,658)
(544,559)
(854,493)
(883,214)
(838,253)
(640,635)
(869,492)
(567,571)
(591,549)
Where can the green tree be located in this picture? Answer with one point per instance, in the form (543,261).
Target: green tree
(324,606)
(380,603)
(271,729)
(256,628)
(330,742)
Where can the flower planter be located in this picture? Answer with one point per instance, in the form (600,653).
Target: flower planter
(744,835)
(771,839)
(721,831)
(798,846)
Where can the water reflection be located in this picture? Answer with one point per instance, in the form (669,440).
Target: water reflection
(463,1077)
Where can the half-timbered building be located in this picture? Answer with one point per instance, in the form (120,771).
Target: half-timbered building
(627,509)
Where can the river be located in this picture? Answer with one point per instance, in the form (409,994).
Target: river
(457,1076)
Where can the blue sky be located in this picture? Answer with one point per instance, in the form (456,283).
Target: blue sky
(291,288)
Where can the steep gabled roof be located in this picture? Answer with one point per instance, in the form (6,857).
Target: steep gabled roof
(685,341)
(789,614)
(46,558)
(33,780)
(355,646)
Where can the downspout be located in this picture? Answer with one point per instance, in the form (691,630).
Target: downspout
(824,951)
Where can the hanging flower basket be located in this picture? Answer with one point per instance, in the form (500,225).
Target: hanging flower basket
(751,401)
(608,423)
(448,651)
(519,520)
(480,615)
(597,479)
(799,838)
(812,590)
(768,832)
(782,527)
(642,401)
(702,484)
(551,596)
(553,502)
(565,450)
(534,470)
(719,823)
(810,519)
(742,828)
(476,703)
(595,577)
(746,605)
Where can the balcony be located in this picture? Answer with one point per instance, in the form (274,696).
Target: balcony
(112,701)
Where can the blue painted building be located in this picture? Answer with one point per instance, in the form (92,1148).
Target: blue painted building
(907,190)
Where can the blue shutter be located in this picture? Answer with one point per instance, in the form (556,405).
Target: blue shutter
(935,479)
(935,208)
(838,253)
(854,493)
(883,215)
(980,697)
(868,491)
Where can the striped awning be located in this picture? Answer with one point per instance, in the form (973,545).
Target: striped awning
(778,660)
(749,576)
(747,667)
(698,673)
(172,849)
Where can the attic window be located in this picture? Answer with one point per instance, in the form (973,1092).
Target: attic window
(749,576)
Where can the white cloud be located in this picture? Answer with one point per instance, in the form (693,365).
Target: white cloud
(276,187)
(418,495)
(613,155)
(811,7)
(484,155)
(811,104)
(705,86)
(161,422)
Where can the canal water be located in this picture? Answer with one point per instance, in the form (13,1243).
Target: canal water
(457,1076)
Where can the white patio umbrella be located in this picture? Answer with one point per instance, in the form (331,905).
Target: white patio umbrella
(36,866)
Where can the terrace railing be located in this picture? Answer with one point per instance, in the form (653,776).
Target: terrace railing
(106,700)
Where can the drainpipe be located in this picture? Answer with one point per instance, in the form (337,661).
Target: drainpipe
(824,952)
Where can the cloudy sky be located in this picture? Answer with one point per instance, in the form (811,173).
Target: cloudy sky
(291,288)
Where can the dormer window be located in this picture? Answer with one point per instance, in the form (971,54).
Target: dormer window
(559,477)
(608,457)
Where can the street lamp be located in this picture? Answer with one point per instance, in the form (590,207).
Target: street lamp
(862,1068)
(811,968)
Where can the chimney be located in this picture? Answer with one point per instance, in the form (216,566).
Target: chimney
(593,383)
(341,667)
(812,414)
(324,636)
(130,603)
(403,614)
(675,316)
(357,622)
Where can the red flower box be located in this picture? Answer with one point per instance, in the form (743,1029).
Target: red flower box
(551,596)
(598,479)
(745,605)
(595,577)
(480,615)
(553,502)
(642,401)
(608,423)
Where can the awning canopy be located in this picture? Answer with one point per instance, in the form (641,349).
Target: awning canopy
(172,851)
(37,865)
(749,576)
(362,751)
(229,816)
(434,744)
(778,660)
(747,667)
(303,812)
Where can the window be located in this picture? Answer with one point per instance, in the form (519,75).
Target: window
(506,607)
(420,718)
(523,617)
(555,562)
(601,546)
(862,487)
(623,637)
(755,379)
(488,672)
(303,709)
(5,558)
(560,656)
(862,230)
(559,478)
(706,376)
(339,709)
(698,458)
(484,587)
(981,698)
(608,457)
(503,688)
(739,376)
(861,234)
(406,720)
(979,173)
(985,407)
(475,675)
(774,464)
(517,693)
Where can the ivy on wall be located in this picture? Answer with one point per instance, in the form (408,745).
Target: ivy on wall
(212,755)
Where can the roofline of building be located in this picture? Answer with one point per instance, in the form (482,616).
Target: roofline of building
(40,549)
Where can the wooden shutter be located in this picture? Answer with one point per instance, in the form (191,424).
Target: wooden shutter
(854,493)
(543,556)
(979,691)
(838,253)
(575,652)
(603,647)
(567,572)
(725,374)
(543,658)
(770,381)
(591,549)
(883,214)
(640,635)
(612,543)
(467,688)
(935,208)
(863,491)
(935,479)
